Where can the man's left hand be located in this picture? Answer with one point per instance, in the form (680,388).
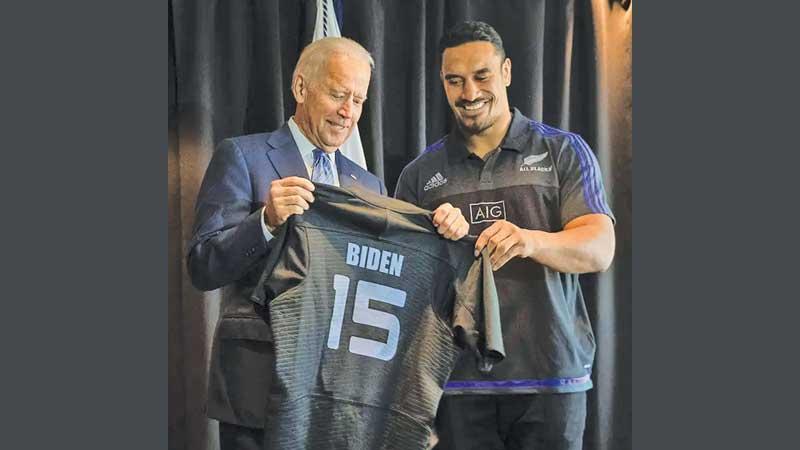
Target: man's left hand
(503,241)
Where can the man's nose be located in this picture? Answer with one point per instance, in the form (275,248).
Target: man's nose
(470,91)
(346,110)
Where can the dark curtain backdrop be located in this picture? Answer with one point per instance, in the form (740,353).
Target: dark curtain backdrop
(230,65)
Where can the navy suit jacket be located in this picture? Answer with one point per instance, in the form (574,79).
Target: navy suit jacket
(228,251)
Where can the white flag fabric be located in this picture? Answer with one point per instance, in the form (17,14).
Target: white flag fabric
(327,26)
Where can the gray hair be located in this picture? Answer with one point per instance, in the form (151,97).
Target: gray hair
(316,54)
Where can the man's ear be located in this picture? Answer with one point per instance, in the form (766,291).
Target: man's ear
(299,88)
(506,70)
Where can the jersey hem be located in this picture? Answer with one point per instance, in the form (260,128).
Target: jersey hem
(519,391)
(554,385)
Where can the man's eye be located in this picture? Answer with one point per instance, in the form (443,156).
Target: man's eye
(454,82)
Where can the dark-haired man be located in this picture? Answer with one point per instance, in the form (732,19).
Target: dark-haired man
(535,197)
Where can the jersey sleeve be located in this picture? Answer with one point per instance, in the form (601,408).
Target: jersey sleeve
(405,190)
(476,312)
(581,183)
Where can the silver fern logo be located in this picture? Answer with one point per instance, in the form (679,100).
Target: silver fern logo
(529,161)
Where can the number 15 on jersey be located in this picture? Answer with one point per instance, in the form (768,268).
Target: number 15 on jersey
(362,314)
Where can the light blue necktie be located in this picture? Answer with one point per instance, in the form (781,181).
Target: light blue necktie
(322,171)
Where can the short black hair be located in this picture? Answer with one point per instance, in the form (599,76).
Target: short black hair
(471,31)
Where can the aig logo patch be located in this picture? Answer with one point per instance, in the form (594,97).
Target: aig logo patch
(487,211)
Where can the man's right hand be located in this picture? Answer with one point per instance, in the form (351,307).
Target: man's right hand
(449,222)
(287,196)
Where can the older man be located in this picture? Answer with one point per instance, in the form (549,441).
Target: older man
(252,185)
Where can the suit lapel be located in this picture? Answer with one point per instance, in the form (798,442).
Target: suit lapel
(284,155)
(347,177)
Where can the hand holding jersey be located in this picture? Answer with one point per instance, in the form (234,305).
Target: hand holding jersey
(449,222)
(585,245)
(504,241)
(287,196)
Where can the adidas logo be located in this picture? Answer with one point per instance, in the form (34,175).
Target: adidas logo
(435,181)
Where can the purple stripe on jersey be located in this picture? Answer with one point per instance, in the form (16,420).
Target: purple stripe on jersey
(591,187)
(435,146)
(602,206)
(587,170)
(516,384)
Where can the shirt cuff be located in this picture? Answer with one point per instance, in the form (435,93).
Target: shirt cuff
(265,228)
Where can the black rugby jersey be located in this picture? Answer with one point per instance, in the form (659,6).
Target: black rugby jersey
(369,309)
(540,178)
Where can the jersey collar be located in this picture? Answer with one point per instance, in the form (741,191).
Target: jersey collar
(514,140)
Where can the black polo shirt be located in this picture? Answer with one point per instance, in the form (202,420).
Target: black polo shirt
(539,178)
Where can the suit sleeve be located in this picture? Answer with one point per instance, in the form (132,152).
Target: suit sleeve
(476,312)
(227,239)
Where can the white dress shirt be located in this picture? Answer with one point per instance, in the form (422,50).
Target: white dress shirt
(306,149)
